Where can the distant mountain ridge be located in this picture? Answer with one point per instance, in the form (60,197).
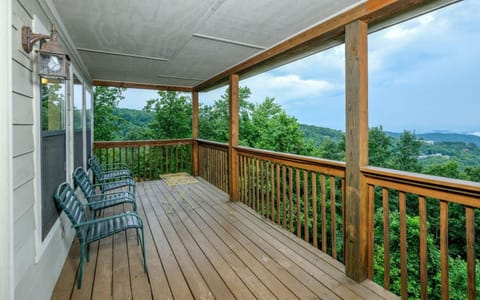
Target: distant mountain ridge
(444,137)
(318,134)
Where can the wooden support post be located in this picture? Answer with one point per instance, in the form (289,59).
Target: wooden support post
(234,108)
(195,134)
(356,140)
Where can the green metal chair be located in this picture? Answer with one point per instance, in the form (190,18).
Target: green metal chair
(89,231)
(108,181)
(97,201)
(110,171)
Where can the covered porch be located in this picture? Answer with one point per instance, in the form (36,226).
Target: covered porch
(256,224)
(201,245)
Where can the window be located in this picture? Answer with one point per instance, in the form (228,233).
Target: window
(77,122)
(53,147)
(88,122)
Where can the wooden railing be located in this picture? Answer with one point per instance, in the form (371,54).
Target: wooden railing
(213,163)
(304,195)
(148,159)
(420,206)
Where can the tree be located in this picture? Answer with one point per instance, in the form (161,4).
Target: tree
(53,106)
(265,125)
(473,173)
(173,115)
(106,100)
(406,153)
(379,148)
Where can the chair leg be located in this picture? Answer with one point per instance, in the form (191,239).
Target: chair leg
(88,252)
(143,252)
(80,270)
(138,237)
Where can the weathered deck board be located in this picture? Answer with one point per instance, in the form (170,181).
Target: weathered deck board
(200,245)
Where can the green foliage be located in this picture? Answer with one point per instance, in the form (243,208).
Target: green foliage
(133,124)
(173,115)
(214,118)
(407,150)
(53,106)
(265,125)
(106,122)
(413,259)
(379,147)
(318,135)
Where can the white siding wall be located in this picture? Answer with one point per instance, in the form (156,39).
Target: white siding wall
(6,211)
(36,263)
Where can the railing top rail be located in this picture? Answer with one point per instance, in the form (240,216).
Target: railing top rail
(454,190)
(212,143)
(329,167)
(112,144)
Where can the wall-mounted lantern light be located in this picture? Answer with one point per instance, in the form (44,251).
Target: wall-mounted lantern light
(52,60)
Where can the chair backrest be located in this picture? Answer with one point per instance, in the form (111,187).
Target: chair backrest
(81,179)
(69,202)
(96,168)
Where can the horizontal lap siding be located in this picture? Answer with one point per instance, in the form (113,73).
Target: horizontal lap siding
(32,279)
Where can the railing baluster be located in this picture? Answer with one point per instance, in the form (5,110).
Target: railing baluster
(371,202)
(242,179)
(324,212)
(262,187)
(470,235)
(176,159)
(267,190)
(403,245)
(252,184)
(314,210)
(333,217)
(386,238)
(444,248)
(305,206)
(343,215)
(422,211)
(278,194)
(257,184)
(290,197)
(144,162)
(297,179)
(272,180)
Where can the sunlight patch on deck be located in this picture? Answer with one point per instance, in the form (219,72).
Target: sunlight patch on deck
(178,178)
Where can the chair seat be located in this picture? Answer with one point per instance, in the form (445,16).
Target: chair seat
(102,201)
(127,182)
(115,174)
(102,229)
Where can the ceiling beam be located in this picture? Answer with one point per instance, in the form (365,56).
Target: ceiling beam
(146,86)
(330,32)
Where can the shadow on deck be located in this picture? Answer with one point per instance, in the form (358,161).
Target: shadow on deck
(200,245)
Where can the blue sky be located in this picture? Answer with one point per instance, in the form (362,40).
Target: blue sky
(424,75)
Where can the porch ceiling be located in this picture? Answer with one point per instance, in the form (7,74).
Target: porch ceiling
(182,43)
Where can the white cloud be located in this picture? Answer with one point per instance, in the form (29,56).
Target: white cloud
(287,88)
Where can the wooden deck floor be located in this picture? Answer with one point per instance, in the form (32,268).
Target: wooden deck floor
(200,245)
